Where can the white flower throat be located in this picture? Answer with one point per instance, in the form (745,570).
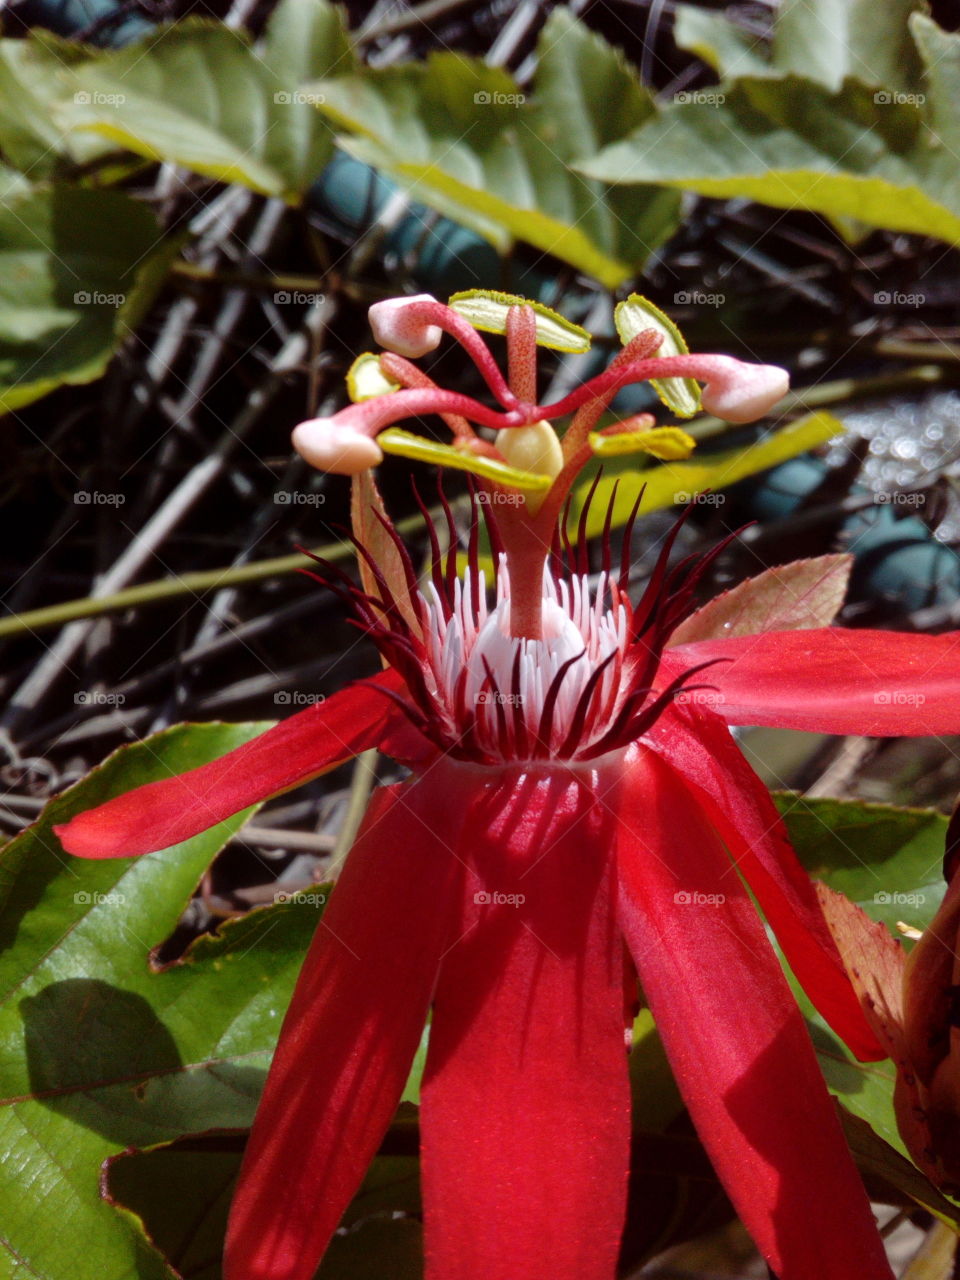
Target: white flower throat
(473,660)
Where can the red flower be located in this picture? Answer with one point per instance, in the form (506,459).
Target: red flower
(567,807)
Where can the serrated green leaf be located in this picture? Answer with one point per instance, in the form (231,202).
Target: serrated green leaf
(791,143)
(246,119)
(680,482)
(886,859)
(885,1169)
(824,40)
(723,45)
(632,317)
(100,1053)
(31,79)
(464,138)
(830,40)
(181,1192)
(939,52)
(77,270)
(859,849)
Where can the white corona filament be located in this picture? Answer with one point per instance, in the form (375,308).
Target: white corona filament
(577,624)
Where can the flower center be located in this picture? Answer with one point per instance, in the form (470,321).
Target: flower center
(516,697)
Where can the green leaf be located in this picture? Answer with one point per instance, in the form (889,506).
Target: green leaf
(830,40)
(792,143)
(632,317)
(727,48)
(679,482)
(940,54)
(824,40)
(181,1192)
(887,860)
(98,1050)
(376,1248)
(886,1169)
(790,597)
(464,138)
(246,119)
(307,38)
(31,80)
(77,270)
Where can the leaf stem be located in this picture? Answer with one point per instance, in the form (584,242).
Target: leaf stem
(196,584)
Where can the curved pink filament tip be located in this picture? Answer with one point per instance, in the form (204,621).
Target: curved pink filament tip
(412,326)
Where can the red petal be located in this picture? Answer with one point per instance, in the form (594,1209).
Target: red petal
(350,1034)
(525,1104)
(303,746)
(698,745)
(832,680)
(736,1040)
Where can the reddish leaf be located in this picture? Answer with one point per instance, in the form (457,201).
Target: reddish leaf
(789,597)
(875,962)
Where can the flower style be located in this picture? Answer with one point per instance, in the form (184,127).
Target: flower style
(577,815)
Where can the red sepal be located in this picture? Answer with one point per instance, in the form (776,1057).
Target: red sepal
(350,1033)
(525,1103)
(736,1039)
(301,747)
(835,680)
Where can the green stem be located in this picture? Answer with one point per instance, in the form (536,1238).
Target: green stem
(56,615)
(283,283)
(364,776)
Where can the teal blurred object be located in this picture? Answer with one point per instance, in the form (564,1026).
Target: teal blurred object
(894,558)
(446,256)
(121,24)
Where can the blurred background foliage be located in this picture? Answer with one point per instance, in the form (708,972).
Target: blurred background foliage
(198,204)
